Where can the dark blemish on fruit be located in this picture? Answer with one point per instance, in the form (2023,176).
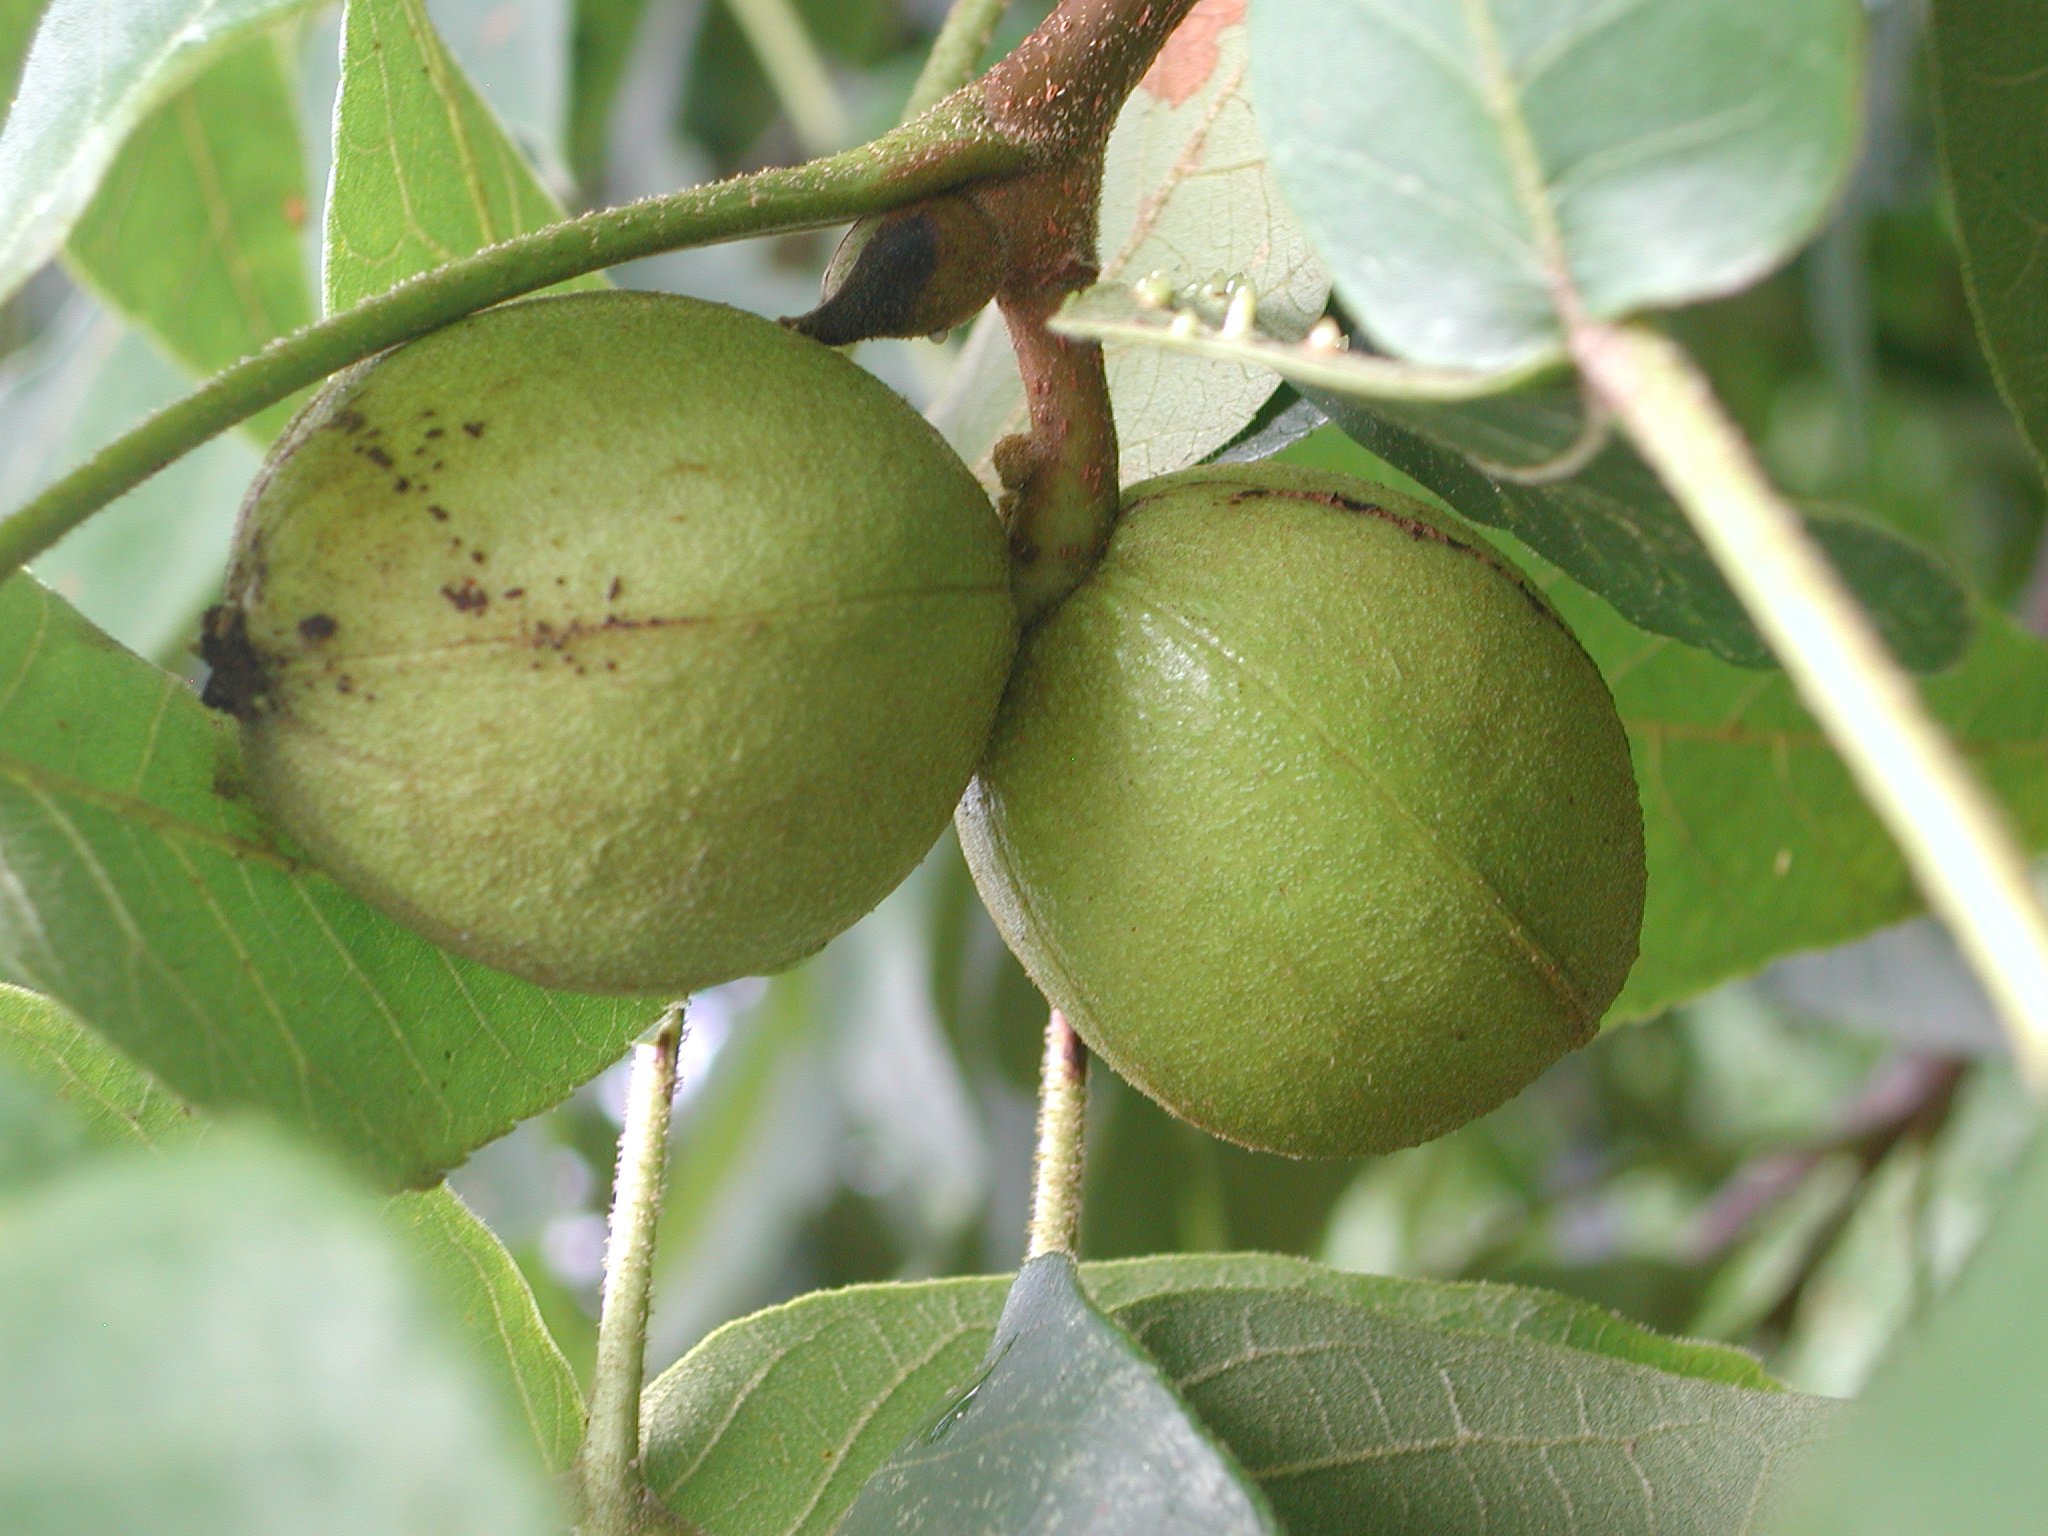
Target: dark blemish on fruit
(515,592)
(473,428)
(378,457)
(428,413)
(440,514)
(686,467)
(611,666)
(439,465)
(618,585)
(434,432)
(477,555)
(318,626)
(344,684)
(345,420)
(239,681)
(468,597)
(401,485)
(543,635)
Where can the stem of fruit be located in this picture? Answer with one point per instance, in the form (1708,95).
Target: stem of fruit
(1062,1132)
(797,72)
(614,1495)
(1952,834)
(956,51)
(1061,90)
(944,150)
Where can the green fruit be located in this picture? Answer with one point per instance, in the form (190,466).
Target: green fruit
(1311,815)
(622,641)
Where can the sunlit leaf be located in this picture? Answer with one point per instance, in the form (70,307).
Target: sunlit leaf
(195,233)
(93,73)
(140,889)
(424,174)
(1186,192)
(1459,166)
(116,1101)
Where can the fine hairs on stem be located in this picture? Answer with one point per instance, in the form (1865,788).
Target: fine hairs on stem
(1062,1112)
(613,1493)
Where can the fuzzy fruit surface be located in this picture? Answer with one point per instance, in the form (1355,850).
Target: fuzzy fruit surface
(1311,814)
(625,642)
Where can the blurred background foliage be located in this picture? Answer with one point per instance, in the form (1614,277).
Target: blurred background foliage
(1796,1163)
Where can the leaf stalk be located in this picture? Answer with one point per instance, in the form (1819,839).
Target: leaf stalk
(1952,834)
(1062,1138)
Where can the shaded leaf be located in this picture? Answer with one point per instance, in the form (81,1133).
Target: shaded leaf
(169,917)
(1186,191)
(1069,1427)
(727,99)
(1948,1436)
(93,73)
(17,26)
(195,232)
(1615,531)
(1459,165)
(424,174)
(225,1338)
(771,1425)
(1991,103)
(600,48)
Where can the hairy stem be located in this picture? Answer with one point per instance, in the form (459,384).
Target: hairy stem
(1062,1115)
(934,154)
(613,1493)
(956,52)
(1953,836)
(1069,79)
(796,71)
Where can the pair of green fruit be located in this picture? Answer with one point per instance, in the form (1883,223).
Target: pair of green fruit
(633,644)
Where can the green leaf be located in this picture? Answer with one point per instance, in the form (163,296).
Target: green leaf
(1759,843)
(1948,1436)
(424,174)
(773,1423)
(1461,165)
(495,1307)
(1069,1427)
(225,1338)
(727,100)
(169,917)
(91,77)
(1186,191)
(117,1103)
(1991,98)
(17,26)
(195,232)
(1614,530)
(600,49)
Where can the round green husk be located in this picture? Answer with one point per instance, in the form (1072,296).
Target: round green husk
(1311,814)
(622,641)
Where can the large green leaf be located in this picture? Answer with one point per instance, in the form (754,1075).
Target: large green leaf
(1991,101)
(116,1104)
(1340,1393)
(1759,843)
(1186,191)
(1069,1427)
(139,888)
(1949,1436)
(1462,164)
(195,232)
(93,73)
(1615,530)
(225,1338)
(424,174)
